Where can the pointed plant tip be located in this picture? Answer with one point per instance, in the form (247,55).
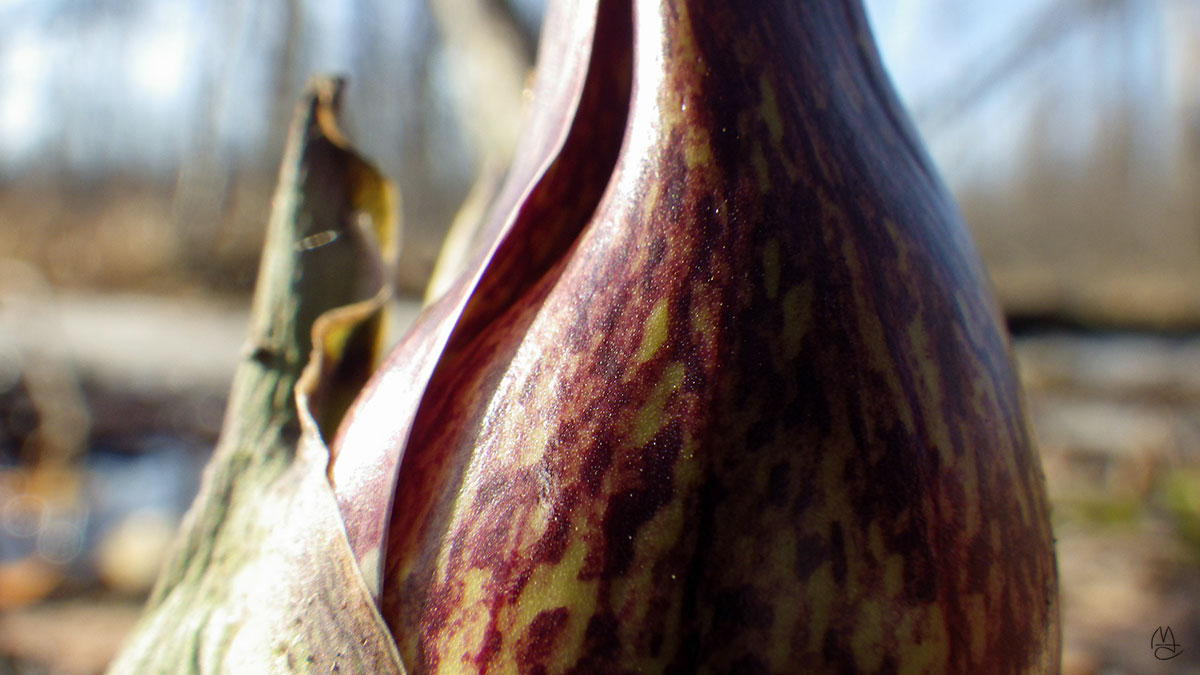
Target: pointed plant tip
(261,577)
(325,94)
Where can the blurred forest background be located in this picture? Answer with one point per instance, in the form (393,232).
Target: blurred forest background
(139,145)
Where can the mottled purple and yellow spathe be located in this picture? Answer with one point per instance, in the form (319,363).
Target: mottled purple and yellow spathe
(728,394)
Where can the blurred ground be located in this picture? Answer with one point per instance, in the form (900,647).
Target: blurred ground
(1117,419)
(1117,416)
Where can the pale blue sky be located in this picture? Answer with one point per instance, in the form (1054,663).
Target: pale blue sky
(125,86)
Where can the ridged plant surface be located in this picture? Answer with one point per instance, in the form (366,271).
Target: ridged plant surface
(759,417)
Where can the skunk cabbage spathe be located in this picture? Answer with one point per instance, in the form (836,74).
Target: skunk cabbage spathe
(723,387)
